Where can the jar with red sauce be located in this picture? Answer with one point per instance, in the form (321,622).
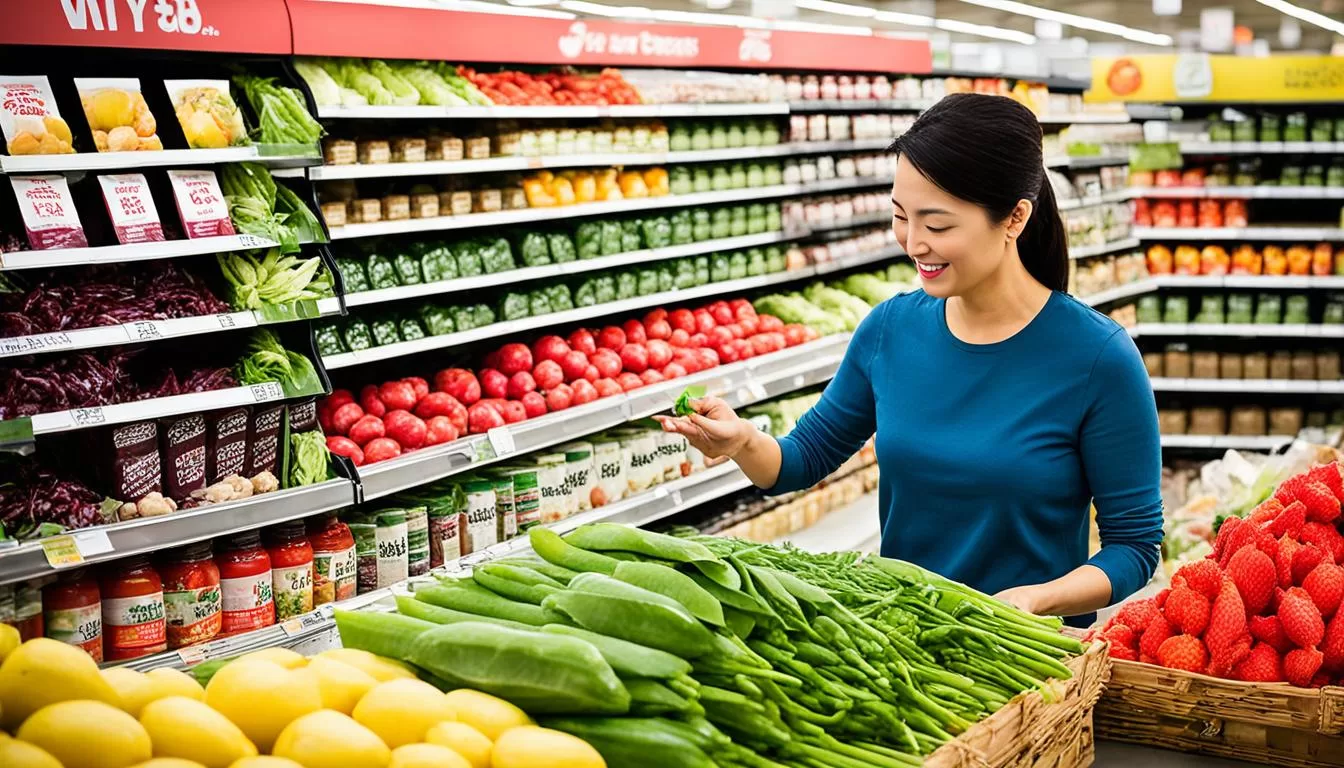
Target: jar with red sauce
(334,572)
(291,569)
(246,599)
(72,611)
(191,595)
(133,613)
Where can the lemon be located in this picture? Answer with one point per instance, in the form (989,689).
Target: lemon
(87,734)
(262,697)
(487,714)
(342,685)
(173,682)
(168,762)
(265,761)
(462,739)
(133,688)
(380,668)
(427,756)
(282,656)
(400,711)
(529,745)
(43,671)
(328,739)
(203,132)
(21,754)
(187,728)
(9,640)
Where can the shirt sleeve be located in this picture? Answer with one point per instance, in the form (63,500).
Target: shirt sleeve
(837,426)
(1122,458)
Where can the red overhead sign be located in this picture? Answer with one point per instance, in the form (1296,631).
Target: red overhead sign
(323,28)
(227,26)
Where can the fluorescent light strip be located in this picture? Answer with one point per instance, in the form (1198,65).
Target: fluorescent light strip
(840,9)
(830,29)
(917,20)
(998,33)
(908,19)
(710,19)
(1081,22)
(1311,17)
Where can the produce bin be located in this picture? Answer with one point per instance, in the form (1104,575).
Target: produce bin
(1028,731)
(1272,723)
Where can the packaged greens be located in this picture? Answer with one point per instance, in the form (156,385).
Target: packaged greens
(437,320)
(683,231)
(736,138)
(1296,309)
(701,179)
(720,180)
(382,273)
(410,329)
(329,340)
(464,318)
(702,270)
(719,267)
(1268,309)
(627,285)
(755,219)
(384,331)
(751,134)
(561,247)
(408,269)
(683,273)
(666,277)
(1211,309)
(657,232)
(482,314)
(679,181)
(588,239)
(496,256)
(775,260)
(773,221)
(774,174)
(469,259)
(1149,309)
(678,138)
(532,249)
(356,335)
(647,281)
(737,265)
(586,294)
(1240,308)
(700,226)
(737,225)
(737,176)
(560,297)
(436,261)
(1176,310)
(721,224)
(630,239)
(540,302)
(611,238)
(755,262)
(606,288)
(700,136)
(352,274)
(514,306)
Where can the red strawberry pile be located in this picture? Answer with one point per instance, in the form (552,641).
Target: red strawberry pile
(1265,606)
(520,382)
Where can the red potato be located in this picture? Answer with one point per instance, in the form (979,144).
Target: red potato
(654,315)
(673,370)
(660,353)
(584,392)
(687,359)
(741,305)
(761,344)
(810,333)
(534,403)
(495,403)
(397,395)
(574,363)
(338,397)
(368,428)
(698,340)
(679,338)
(460,383)
(607,387)
(418,385)
(750,326)
(514,412)
(611,337)
(737,330)
(520,384)
(481,417)
(651,377)
(723,314)
(406,428)
(607,362)
(548,374)
(344,446)
(744,313)
(770,324)
(494,383)
(794,334)
(682,320)
(368,398)
(582,340)
(719,336)
(591,374)
(549,348)
(514,358)
(629,381)
(634,358)
(492,359)
(436,404)
(658,329)
(744,349)
(560,398)
(777,340)
(704,321)
(439,430)
(380,449)
(324,421)
(345,417)
(708,358)
(728,353)
(634,332)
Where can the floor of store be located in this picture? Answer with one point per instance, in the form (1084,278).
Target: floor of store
(1113,754)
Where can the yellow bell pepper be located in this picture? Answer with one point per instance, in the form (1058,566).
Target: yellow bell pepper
(656,180)
(632,185)
(562,190)
(585,187)
(537,194)
(607,186)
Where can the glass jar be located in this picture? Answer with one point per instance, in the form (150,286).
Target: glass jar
(72,611)
(191,594)
(333,559)
(291,569)
(246,599)
(133,612)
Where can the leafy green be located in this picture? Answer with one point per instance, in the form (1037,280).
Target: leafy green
(683,405)
(308,458)
(266,360)
(402,91)
(430,85)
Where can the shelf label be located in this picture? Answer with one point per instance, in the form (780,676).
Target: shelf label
(226,321)
(200,204)
(131,208)
(61,551)
(501,441)
(92,543)
(267,391)
(45,342)
(252,241)
(48,212)
(306,623)
(88,417)
(195,654)
(144,330)
(757,389)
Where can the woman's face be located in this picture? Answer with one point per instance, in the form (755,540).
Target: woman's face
(953,243)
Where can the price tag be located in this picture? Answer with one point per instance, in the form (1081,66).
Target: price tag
(535,163)
(131,208)
(676,498)
(61,551)
(144,330)
(303,624)
(501,440)
(23,345)
(91,543)
(267,391)
(200,204)
(87,417)
(798,381)
(252,241)
(226,321)
(48,211)
(757,390)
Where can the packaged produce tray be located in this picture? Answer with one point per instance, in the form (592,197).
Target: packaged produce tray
(1029,732)
(1272,723)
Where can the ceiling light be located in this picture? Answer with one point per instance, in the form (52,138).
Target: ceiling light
(908,19)
(610,11)
(718,5)
(842,9)
(1311,17)
(711,19)
(1083,22)
(829,29)
(532,3)
(997,33)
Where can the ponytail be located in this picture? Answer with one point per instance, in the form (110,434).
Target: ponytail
(1043,245)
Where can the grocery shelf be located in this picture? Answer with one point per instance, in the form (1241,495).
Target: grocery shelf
(741,383)
(1115,196)
(149,534)
(1088,251)
(862,220)
(1094,118)
(506,164)
(459,284)
(1241,193)
(1226,442)
(1285,233)
(543,112)
(508,327)
(1267,386)
(156,330)
(116,254)
(1261,282)
(855,527)
(861,105)
(1261,147)
(1265,330)
(107,161)
(1078,163)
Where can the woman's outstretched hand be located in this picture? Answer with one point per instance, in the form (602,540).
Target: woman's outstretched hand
(713,428)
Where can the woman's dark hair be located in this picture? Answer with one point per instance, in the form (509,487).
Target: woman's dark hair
(986,150)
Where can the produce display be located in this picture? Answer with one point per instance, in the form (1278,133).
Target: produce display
(1092,276)
(838,211)
(1217,308)
(1246,259)
(1246,172)
(282,112)
(1275,126)
(1098,224)
(259,206)
(207,113)
(1264,605)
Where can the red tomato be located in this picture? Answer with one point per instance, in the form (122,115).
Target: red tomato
(634,358)
(406,428)
(440,429)
(582,340)
(679,338)
(660,353)
(514,411)
(629,381)
(338,397)
(607,362)
(482,417)
(723,314)
(704,321)
(369,427)
(549,348)
(682,319)
(560,398)
(494,383)
(770,324)
(460,383)
(520,384)
(368,397)
(698,340)
(382,448)
(344,446)
(584,392)
(514,358)
(658,329)
(634,332)
(794,334)
(343,418)
(750,326)
(397,395)
(534,403)
(673,370)
(573,364)
(654,315)
(418,385)
(611,337)
(547,374)
(651,377)
(607,387)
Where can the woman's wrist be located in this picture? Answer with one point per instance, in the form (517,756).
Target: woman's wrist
(746,440)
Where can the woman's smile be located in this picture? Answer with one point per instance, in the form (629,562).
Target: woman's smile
(931,270)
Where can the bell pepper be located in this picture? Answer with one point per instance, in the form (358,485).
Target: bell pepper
(1213,260)
(562,191)
(382,273)
(329,340)
(356,335)
(608,185)
(537,193)
(1187,260)
(1299,260)
(437,320)
(1160,260)
(408,268)
(1276,261)
(1322,259)
(561,247)
(633,185)
(410,329)
(1246,261)
(352,274)
(585,187)
(657,182)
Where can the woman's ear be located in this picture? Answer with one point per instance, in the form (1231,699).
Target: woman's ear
(1017,220)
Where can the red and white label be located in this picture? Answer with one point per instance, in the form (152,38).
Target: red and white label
(132,208)
(48,212)
(255,26)
(200,204)
(134,623)
(81,627)
(25,102)
(248,603)
(645,43)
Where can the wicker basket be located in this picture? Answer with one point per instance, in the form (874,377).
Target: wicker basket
(1029,733)
(1258,722)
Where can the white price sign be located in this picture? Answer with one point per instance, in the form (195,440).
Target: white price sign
(267,391)
(501,440)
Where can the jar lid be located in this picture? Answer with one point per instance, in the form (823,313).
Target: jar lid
(244,540)
(289,531)
(201,550)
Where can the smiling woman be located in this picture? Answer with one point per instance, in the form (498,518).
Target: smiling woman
(1003,408)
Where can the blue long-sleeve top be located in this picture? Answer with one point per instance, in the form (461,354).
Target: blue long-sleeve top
(991,454)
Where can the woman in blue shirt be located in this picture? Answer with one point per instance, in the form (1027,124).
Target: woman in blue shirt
(1002,406)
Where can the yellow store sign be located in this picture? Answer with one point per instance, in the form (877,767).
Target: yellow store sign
(1201,77)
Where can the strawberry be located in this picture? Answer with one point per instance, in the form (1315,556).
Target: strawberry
(1322,506)
(1319,681)
(1146,659)
(1329,475)
(1284,562)
(1157,633)
(1300,666)
(1262,665)
(1183,652)
(1255,576)
(1333,645)
(1225,531)
(1269,630)
(1137,614)
(1302,621)
(1119,634)
(1203,576)
(1268,510)
(1305,560)
(1118,651)
(1290,520)
(1265,542)
(1325,584)
(1187,610)
(1222,664)
(1242,534)
(1160,599)
(1325,536)
(1227,621)
(1289,489)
